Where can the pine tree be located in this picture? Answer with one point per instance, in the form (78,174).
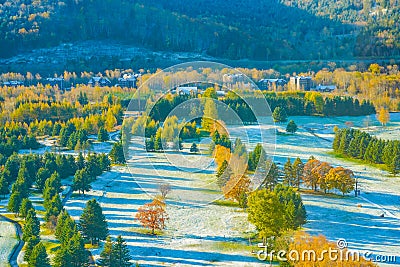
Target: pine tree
(39,257)
(3,186)
(158,141)
(30,244)
(288,173)
(80,162)
(117,153)
(42,175)
(15,202)
(102,135)
(31,226)
(291,127)
(62,258)
(51,188)
(54,208)
(298,168)
(271,178)
(93,222)
(120,254)
(26,205)
(224,173)
(106,255)
(77,252)
(194,148)
(394,166)
(279,115)
(81,181)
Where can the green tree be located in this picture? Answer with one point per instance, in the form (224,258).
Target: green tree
(52,187)
(42,175)
(210,115)
(31,226)
(53,208)
(106,254)
(394,166)
(93,222)
(39,257)
(291,127)
(77,253)
(194,148)
(3,186)
(271,179)
(30,244)
(26,205)
(157,140)
(266,212)
(15,202)
(62,258)
(120,254)
(117,153)
(224,173)
(81,181)
(288,178)
(279,115)
(298,168)
(102,135)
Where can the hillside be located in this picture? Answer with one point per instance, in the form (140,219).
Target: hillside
(252,29)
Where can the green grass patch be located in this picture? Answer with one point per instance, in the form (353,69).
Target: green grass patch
(51,246)
(146,231)
(322,194)
(382,167)
(91,246)
(226,203)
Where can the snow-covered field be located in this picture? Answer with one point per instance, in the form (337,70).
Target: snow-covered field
(8,241)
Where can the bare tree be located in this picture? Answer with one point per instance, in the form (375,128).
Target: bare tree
(164,188)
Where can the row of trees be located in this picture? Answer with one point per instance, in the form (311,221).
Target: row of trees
(357,144)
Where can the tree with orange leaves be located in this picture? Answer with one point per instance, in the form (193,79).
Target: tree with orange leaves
(153,215)
(309,176)
(321,171)
(237,188)
(221,153)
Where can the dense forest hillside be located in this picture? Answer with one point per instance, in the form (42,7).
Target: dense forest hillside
(236,29)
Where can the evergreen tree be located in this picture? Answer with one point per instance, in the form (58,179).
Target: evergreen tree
(102,135)
(394,166)
(53,208)
(42,175)
(288,178)
(117,153)
(30,244)
(298,168)
(15,202)
(157,140)
(194,148)
(39,257)
(52,187)
(104,162)
(271,178)
(76,248)
(150,144)
(93,222)
(291,127)
(80,162)
(3,186)
(26,205)
(279,115)
(120,254)
(106,255)
(62,258)
(31,226)
(224,173)
(81,181)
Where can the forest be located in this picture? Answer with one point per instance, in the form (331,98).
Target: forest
(258,30)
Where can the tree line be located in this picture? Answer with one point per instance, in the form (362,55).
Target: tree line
(360,145)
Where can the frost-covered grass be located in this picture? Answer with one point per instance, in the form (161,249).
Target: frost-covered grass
(8,240)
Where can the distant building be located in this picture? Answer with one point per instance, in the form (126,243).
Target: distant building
(271,84)
(128,80)
(56,81)
(99,81)
(234,78)
(13,83)
(325,88)
(301,83)
(186,90)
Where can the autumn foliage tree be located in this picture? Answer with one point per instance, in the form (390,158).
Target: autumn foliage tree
(153,215)
(237,188)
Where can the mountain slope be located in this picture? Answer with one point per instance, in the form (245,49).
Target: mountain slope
(253,29)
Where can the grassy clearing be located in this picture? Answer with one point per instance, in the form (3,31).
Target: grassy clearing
(226,203)
(322,194)
(382,167)
(232,246)
(51,246)
(146,231)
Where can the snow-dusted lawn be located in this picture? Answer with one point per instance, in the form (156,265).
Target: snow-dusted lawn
(8,240)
